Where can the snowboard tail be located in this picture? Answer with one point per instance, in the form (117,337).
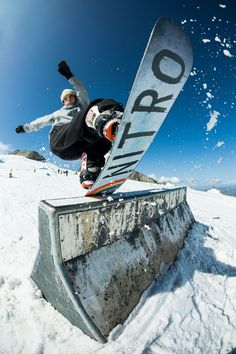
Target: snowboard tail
(164,69)
(107,188)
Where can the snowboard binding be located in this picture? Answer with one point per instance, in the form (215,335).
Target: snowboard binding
(107,124)
(105,117)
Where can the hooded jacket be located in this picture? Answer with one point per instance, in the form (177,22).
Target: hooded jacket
(65,114)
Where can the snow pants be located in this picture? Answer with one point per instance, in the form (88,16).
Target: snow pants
(69,141)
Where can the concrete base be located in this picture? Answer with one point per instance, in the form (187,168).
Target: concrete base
(97,255)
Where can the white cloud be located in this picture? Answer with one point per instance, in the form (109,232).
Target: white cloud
(197,167)
(213,120)
(190,180)
(219,160)
(152,175)
(173,180)
(4,148)
(212,181)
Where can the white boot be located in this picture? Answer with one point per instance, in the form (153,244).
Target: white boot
(106,123)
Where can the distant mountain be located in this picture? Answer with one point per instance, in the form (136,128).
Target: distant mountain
(140,177)
(32,155)
(227,189)
(20,166)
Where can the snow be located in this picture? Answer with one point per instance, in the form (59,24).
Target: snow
(227,53)
(217,39)
(220,143)
(192,309)
(168,180)
(217,44)
(209,95)
(213,120)
(206,40)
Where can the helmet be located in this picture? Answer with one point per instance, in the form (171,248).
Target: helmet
(67,92)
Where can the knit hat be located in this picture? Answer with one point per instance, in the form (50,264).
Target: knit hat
(67,92)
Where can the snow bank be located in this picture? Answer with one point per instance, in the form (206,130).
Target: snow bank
(192,310)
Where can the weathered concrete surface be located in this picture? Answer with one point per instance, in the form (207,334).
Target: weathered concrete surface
(97,255)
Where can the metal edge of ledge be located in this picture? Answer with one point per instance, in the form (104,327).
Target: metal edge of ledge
(57,260)
(83,203)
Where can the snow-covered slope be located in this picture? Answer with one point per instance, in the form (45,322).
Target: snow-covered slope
(192,310)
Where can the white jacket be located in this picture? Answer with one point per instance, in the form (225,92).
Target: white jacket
(65,114)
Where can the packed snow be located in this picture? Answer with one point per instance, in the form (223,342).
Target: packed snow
(191,310)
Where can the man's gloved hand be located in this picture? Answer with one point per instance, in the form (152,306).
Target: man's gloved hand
(20,129)
(64,70)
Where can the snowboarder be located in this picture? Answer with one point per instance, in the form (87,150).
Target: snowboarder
(80,129)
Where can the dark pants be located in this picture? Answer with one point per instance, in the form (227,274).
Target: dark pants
(69,141)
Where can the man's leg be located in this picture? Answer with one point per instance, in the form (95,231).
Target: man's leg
(92,162)
(62,147)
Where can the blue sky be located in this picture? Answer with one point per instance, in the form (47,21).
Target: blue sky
(103,42)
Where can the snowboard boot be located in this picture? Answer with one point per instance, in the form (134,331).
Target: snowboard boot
(89,172)
(106,123)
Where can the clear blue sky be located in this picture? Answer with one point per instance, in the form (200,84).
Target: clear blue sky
(103,42)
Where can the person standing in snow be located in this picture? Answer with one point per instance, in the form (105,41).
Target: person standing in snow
(80,129)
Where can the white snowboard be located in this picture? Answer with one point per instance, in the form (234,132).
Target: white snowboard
(164,69)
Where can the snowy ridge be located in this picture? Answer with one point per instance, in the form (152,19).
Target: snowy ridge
(20,165)
(191,310)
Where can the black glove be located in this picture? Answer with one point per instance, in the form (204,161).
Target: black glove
(64,70)
(20,129)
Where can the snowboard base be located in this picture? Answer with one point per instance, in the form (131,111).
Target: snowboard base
(108,188)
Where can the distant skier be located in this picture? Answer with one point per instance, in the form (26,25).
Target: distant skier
(80,129)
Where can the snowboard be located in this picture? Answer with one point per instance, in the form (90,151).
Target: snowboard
(164,69)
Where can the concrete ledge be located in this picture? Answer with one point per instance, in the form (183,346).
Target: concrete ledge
(97,255)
